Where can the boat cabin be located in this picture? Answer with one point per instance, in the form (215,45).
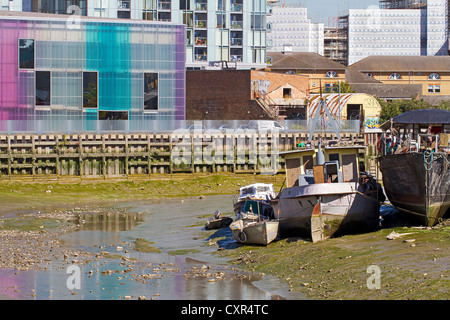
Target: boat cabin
(257,191)
(416,131)
(305,166)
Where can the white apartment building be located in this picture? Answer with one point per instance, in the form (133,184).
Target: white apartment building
(411,32)
(217,30)
(290,27)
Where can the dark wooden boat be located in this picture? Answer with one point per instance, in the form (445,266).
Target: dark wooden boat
(222,222)
(416,169)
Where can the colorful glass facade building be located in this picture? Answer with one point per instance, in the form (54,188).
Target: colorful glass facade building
(67,73)
(216,30)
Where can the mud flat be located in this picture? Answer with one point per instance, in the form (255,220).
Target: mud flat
(413,265)
(34,222)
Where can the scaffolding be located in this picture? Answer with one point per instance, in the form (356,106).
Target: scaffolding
(402,4)
(342,39)
(335,45)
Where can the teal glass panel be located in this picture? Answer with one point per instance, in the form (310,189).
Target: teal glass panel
(108,51)
(91,117)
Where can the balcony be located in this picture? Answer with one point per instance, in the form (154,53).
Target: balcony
(201,24)
(236,42)
(236,58)
(200,41)
(124,4)
(236,7)
(201,7)
(164,5)
(236,25)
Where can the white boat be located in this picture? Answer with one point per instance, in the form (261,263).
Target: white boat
(262,191)
(254,199)
(250,231)
(326,199)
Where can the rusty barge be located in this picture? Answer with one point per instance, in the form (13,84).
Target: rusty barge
(414,159)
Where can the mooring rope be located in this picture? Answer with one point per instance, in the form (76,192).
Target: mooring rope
(429,156)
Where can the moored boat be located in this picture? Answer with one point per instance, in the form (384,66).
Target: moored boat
(249,231)
(326,199)
(415,163)
(218,222)
(254,198)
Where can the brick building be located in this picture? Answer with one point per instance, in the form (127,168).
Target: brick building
(243,94)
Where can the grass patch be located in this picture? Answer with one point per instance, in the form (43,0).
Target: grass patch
(183,252)
(28,224)
(143,245)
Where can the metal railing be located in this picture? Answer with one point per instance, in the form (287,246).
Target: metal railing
(57,124)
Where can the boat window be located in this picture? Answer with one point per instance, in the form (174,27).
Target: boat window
(307,163)
(263,189)
(349,168)
(334,157)
(248,191)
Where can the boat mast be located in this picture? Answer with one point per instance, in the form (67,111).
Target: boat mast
(313,122)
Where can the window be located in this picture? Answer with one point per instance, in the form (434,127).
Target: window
(185,4)
(434,88)
(26,54)
(395,76)
(188,19)
(331,74)
(113,115)
(353,111)
(90,89)
(150,91)
(287,93)
(369,74)
(43,94)
(434,76)
(123,14)
(307,163)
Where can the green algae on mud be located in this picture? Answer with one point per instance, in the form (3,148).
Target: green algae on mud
(17,194)
(143,245)
(339,268)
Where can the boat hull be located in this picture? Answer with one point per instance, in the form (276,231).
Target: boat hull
(249,232)
(417,185)
(320,211)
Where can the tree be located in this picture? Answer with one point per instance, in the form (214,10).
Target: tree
(399,106)
(345,87)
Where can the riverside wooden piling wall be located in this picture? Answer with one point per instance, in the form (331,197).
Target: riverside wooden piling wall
(123,155)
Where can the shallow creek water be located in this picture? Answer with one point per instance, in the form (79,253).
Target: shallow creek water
(185,269)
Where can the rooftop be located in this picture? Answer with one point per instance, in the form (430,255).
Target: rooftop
(403,63)
(302,61)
